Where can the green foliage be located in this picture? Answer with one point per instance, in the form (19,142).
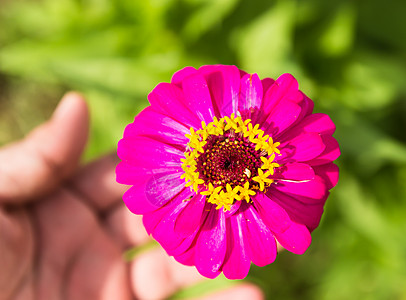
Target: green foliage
(347,55)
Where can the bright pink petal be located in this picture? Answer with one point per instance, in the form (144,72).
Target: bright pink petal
(303,148)
(301,213)
(329,173)
(237,262)
(261,242)
(242,73)
(257,115)
(224,86)
(233,209)
(330,153)
(306,104)
(187,258)
(197,97)
(286,87)
(148,153)
(295,239)
(211,244)
(129,174)
(190,218)
(274,216)
(294,172)
(281,117)
(188,242)
(251,94)
(169,100)
(266,84)
(153,192)
(313,189)
(159,127)
(183,246)
(152,219)
(320,123)
(164,232)
(180,75)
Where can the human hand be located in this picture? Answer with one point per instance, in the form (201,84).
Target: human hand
(63,228)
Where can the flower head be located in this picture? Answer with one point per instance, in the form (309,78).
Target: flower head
(223,165)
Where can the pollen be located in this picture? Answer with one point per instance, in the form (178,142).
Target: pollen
(228,160)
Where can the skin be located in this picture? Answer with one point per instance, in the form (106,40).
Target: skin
(63,227)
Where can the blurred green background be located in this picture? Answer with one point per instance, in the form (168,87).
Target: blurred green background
(349,57)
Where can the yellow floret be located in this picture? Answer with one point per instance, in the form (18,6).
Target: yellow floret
(262,178)
(245,192)
(269,164)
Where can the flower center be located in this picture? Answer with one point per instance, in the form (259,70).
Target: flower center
(228,159)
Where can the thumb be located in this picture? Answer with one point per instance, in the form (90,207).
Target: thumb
(50,153)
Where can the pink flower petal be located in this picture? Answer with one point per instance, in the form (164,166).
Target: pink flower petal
(302,213)
(187,243)
(294,172)
(313,189)
(224,86)
(153,192)
(320,123)
(303,148)
(169,100)
(266,84)
(152,219)
(330,153)
(211,244)
(251,94)
(261,242)
(295,239)
(329,172)
(285,86)
(164,231)
(237,262)
(187,258)
(129,174)
(197,97)
(257,115)
(233,209)
(274,216)
(148,153)
(282,117)
(180,75)
(306,104)
(190,218)
(159,127)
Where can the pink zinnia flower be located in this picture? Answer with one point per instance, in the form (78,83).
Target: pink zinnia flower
(223,164)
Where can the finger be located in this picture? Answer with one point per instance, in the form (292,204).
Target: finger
(64,225)
(126,228)
(99,272)
(16,250)
(76,257)
(155,275)
(96,182)
(238,292)
(50,153)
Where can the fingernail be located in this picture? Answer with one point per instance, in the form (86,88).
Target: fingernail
(68,101)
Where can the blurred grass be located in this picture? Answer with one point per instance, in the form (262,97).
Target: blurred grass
(349,56)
